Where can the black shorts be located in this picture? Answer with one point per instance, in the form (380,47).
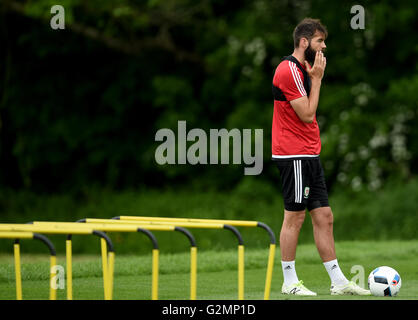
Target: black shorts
(303,183)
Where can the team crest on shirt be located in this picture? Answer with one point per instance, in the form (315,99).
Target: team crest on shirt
(306,193)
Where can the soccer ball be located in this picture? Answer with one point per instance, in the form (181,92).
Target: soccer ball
(384,281)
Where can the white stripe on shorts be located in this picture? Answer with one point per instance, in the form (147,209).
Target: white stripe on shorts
(297,168)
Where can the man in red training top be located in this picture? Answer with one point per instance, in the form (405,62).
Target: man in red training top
(296,146)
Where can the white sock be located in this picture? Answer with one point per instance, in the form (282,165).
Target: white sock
(289,273)
(335,273)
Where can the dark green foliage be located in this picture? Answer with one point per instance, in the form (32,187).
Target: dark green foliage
(81,106)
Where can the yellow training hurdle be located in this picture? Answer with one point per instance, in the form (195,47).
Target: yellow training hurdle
(235,223)
(202,225)
(16,248)
(16,229)
(108,226)
(133,224)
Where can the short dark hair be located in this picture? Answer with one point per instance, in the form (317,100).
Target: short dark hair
(306,29)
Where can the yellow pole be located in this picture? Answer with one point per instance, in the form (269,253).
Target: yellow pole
(68,247)
(52,288)
(269,275)
(240,223)
(193,272)
(240,272)
(111,270)
(155,262)
(18,272)
(105,268)
(95,223)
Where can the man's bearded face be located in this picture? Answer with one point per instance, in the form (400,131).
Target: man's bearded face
(310,54)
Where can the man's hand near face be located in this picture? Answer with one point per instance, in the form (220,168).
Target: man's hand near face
(306,107)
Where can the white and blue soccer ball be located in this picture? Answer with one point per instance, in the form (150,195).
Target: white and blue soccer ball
(384,281)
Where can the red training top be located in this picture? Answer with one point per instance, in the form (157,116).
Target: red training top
(291,137)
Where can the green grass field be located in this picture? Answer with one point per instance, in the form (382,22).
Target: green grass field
(217,273)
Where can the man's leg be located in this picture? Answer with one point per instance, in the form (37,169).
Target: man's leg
(322,221)
(289,234)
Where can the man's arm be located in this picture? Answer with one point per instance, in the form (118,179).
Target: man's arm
(306,107)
